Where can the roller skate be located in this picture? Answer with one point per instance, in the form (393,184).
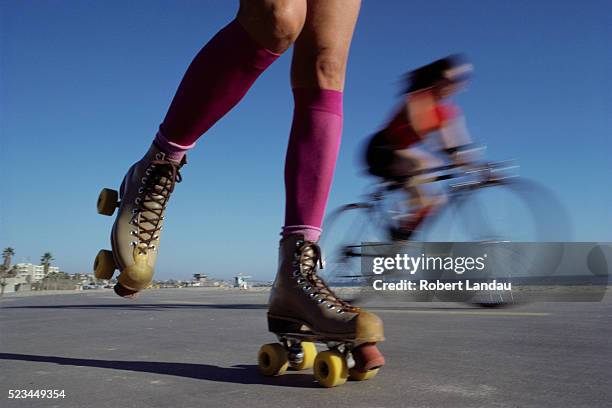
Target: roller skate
(142,200)
(303,311)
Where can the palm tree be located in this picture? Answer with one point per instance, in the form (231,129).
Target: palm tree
(45,260)
(7,254)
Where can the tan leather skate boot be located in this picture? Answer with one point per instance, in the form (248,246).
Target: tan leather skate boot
(144,195)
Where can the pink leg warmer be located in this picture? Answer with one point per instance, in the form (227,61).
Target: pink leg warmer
(311,159)
(217,79)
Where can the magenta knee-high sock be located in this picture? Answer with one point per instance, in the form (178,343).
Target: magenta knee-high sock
(217,79)
(311,159)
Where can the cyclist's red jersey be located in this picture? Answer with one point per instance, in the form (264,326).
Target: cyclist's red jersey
(401,134)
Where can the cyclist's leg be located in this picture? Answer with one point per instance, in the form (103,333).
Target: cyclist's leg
(423,199)
(224,70)
(378,155)
(413,160)
(317,77)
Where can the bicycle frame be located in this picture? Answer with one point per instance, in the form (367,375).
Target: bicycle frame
(476,175)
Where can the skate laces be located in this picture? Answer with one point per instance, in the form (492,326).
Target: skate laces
(306,258)
(156,187)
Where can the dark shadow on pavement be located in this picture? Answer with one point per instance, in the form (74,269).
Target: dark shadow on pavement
(148,306)
(239,306)
(239,374)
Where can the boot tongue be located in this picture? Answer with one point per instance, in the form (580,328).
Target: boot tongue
(162,175)
(308,259)
(309,263)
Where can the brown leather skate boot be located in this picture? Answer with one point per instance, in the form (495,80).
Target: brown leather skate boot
(300,301)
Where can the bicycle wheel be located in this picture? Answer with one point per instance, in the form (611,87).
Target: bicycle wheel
(344,242)
(511,210)
(514,210)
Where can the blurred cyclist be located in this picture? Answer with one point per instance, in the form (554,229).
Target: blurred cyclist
(396,152)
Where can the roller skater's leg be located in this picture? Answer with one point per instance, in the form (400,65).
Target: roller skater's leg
(318,73)
(224,70)
(217,79)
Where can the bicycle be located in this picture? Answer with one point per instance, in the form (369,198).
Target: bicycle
(479,198)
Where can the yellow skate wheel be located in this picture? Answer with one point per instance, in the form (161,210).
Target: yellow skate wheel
(272,359)
(330,368)
(107,201)
(104,265)
(362,375)
(310,353)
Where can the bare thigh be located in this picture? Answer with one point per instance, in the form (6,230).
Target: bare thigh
(322,48)
(418,159)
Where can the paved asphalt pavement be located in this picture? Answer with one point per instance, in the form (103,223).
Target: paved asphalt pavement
(197,348)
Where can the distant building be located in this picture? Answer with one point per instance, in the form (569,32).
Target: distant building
(88,279)
(200,277)
(202,280)
(35,272)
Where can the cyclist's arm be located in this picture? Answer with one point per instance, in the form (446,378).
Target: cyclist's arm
(455,138)
(454,134)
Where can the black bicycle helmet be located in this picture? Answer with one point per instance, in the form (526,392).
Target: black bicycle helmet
(453,68)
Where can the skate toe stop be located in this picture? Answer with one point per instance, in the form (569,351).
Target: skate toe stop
(124,292)
(368,358)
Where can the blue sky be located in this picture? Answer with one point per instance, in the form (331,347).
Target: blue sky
(84,85)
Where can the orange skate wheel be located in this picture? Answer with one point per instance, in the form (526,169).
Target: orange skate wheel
(330,368)
(362,375)
(107,201)
(272,359)
(310,353)
(104,265)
